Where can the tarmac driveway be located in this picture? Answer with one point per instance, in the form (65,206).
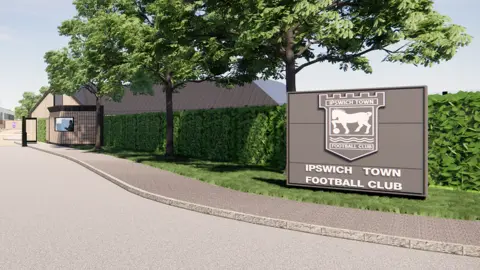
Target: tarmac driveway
(55,214)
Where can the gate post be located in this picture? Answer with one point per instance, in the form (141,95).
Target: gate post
(24,132)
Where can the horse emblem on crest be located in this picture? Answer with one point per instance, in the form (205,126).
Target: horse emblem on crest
(351,123)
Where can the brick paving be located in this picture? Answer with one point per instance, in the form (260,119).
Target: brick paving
(182,188)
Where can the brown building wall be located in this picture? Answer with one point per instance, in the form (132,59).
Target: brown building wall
(84,128)
(9,124)
(68,100)
(41,111)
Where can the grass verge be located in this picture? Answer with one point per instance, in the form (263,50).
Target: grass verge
(441,202)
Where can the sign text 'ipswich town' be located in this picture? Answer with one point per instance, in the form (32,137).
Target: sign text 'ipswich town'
(368,140)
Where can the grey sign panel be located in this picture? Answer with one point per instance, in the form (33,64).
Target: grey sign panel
(369,140)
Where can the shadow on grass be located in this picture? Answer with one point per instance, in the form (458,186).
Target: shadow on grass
(283,183)
(277,182)
(142,157)
(211,166)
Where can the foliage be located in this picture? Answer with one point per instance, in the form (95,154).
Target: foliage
(275,35)
(253,135)
(454,140)
(93,58)
(256,135)
(42,130)
(138,131)
(167,43)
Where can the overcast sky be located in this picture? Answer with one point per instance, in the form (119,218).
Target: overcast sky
(28,28)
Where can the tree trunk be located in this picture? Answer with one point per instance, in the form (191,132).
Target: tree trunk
(169,150)
(98,129)
(289,70)
(290,61)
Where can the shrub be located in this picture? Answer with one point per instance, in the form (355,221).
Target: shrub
(42,130)
(454,140)
(257,135)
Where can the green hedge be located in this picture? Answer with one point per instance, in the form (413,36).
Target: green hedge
(244,135)
(42,130)
(256,135)
(454,140)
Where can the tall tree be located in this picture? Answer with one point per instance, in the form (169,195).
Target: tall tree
(94,60)
(286,36)
(170,44)
(44,89)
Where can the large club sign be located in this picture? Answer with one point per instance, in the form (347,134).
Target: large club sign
(368,140)
(361,110)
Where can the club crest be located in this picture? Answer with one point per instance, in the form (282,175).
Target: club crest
(351,123)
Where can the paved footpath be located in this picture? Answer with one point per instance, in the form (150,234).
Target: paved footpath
(55,214)
(417,232)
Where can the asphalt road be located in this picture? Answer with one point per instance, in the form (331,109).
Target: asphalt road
(55,214)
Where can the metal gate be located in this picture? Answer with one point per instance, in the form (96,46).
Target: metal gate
(29,130)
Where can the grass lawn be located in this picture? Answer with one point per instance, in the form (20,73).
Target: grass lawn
(441,202)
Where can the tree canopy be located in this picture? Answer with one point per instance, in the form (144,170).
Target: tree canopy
(141,43)
(95,58)
(169,43)
(287,36)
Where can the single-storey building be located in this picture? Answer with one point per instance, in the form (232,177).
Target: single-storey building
(194,96)
(6,114)
(71,119)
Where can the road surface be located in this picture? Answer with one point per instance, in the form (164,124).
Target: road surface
(8,137)
(55,214)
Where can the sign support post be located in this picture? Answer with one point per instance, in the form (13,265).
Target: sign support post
(24,132)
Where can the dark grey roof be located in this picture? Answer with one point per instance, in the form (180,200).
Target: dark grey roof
(193,96)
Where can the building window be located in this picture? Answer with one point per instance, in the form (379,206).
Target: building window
(64,124)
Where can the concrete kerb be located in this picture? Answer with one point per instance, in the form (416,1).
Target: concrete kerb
(390,240)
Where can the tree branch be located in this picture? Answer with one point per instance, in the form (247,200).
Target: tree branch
(306,47)
(396,51)
(91,87)
(209,78)
(142,12)
(333,58)
(295,27)
(341,4)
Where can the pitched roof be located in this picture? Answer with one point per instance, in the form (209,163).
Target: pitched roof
(44,96)
(276,90)
(6,111)
(39,101)
(194,96)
